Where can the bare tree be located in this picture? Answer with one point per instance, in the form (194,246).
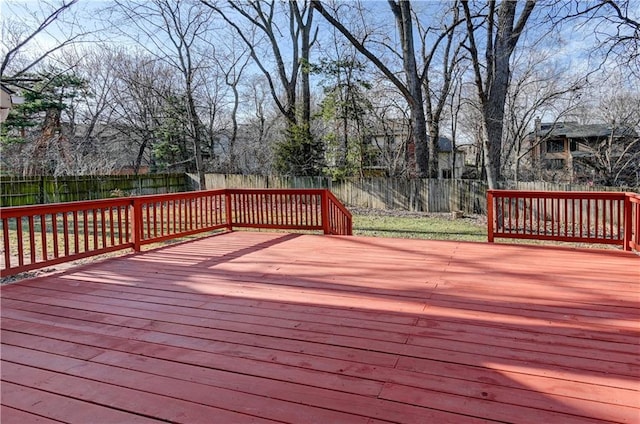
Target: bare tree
(261,126)
(176,33)
(142,93)
(437,80)
(539,86)
(615,25)
(616,158)
(233,70)
(18,37)
(411,88)
(492,75)
(265,19)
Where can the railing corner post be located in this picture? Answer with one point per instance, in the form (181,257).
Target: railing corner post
(229,209)
(136,224)
(489,216)
(628,224)
(324,211)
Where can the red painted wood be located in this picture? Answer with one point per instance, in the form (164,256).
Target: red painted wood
(602,217)
(484,406)
(10,415)
(122,398)
(270,209)
(335,329)
(62,408)
(177,388)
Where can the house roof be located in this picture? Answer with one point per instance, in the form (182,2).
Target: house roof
(576,130)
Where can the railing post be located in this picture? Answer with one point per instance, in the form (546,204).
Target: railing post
(136,224)
(628,224)
(324,210)
(490,216)
(229,209)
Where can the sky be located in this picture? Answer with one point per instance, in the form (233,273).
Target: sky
(570,48)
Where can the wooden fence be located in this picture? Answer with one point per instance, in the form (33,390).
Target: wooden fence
(42,235)
(422,195)
(20,191)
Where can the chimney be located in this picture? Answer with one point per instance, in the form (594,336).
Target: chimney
(538,125)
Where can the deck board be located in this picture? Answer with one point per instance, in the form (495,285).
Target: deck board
(268,327)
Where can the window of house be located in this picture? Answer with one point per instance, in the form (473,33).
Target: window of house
(446,173)
(554,146)
(573,146)
(555,163)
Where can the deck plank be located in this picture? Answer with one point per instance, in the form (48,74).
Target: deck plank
(268,327)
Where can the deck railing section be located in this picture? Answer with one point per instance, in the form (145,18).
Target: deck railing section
(44,235)
(279,209)
(340,220)
(39,236)
(168,216)
(632,209)
(583,217)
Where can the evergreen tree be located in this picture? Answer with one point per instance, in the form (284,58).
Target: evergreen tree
(36,125)
(344,110)
(299,153)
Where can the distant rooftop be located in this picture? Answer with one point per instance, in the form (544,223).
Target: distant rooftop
(576,130)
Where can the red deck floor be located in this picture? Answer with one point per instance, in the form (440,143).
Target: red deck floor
(263,327)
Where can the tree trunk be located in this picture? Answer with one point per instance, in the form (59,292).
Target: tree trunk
(234,129)
(497,90)
(195,127)
(402,12)
(493,91)
(488,165)
(140,156)
(305,52)
(434,135)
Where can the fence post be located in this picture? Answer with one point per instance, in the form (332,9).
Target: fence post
(490,216)
(324,211)
(229,209)
(136,224)
(628,224)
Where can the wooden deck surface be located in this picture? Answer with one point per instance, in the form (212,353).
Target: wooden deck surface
(265,327)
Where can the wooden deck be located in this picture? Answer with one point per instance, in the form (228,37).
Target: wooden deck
(264,327)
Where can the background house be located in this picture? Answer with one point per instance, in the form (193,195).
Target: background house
(570,152)
(8,98)
(393,151)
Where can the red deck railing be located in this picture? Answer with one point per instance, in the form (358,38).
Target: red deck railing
(39,236)
(587,217)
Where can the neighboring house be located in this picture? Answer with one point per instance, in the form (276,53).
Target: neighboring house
(394,151)
(450,162)
(8,98)
(569,152)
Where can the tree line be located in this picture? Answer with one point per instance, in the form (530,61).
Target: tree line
(312,87)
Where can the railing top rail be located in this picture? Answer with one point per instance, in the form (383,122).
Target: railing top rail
(314,191)
(178,195)
(339,204)
(14,211)
(11,211)
(559,194)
